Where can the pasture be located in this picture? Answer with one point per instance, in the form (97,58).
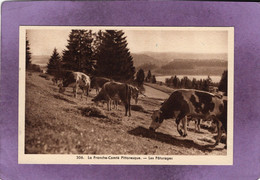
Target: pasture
(58,123)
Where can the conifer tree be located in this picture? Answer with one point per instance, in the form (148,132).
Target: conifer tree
(206,83)
(153,79)
(149,76)
(176,81)
(223,82)
(79,53)
(194,84)
(114,58)
(140,77)
(54,65)
(28,53)
(98,37)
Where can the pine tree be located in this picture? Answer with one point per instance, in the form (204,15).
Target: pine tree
(175,81)
(54,65)
(140,77)
(194,84)
(98,37)
(206,84)
(148,77)
(79,53)
(223,82)
(153,79)
(28,53)
(114,58)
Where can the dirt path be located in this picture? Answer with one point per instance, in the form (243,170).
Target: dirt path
(154,93)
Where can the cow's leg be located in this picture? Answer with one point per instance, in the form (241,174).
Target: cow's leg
(116,104)
(108,102)
(178,119)
(110,105)
(129,104)
(87,90)
(199,120)
(126,108)
(219,125)
(83,92)
(184,123)
(129,109)
(74,92)
(196,124)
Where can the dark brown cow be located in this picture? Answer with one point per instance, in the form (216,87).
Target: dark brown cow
(200,104)
(114,91)
(98,82)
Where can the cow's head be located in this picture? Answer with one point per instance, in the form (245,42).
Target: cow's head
(100,97)
(156,120)
(61,88)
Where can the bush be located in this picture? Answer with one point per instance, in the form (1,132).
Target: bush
(92,111)
(47,77)
(153,79)
(34,67)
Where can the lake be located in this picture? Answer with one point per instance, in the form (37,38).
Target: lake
(215,79)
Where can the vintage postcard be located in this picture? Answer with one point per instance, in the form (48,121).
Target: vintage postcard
(126,95)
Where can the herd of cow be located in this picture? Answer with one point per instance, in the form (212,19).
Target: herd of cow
(182,104)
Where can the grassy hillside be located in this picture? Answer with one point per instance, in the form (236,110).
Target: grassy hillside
(61,124)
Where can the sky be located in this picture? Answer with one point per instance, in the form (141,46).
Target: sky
(43,41)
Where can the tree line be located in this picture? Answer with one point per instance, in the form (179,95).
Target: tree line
(202,84)
(102,53)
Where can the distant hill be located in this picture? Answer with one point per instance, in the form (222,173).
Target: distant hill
(192,64)
(41,60)
(141,59)
(169,56)
(193,67)
(181,63)
(148,66)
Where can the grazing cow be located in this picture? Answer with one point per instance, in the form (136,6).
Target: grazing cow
(183,102)
(115,91)
(76,80)
(98,82)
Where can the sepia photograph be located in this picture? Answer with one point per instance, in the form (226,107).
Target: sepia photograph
(126,95)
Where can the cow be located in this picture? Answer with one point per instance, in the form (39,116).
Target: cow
(75,80)
(98,82)
(185,102)
(114,91)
